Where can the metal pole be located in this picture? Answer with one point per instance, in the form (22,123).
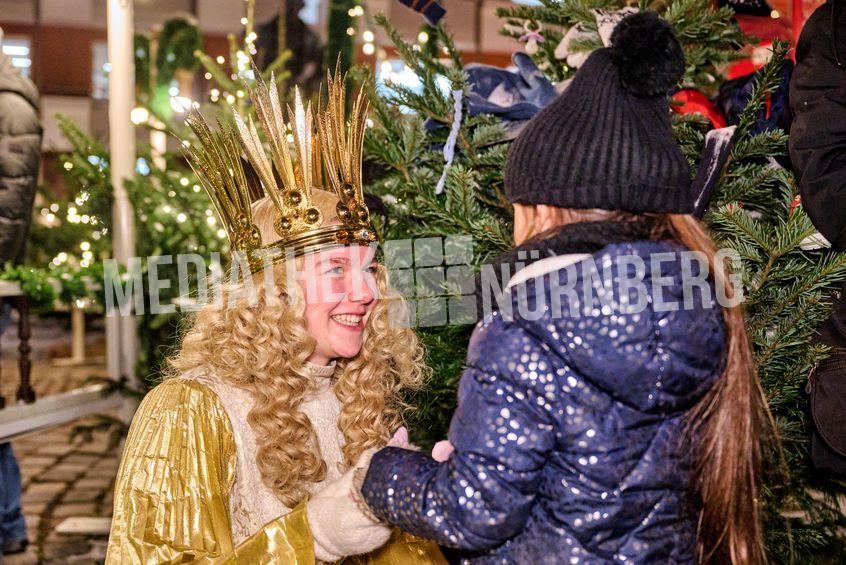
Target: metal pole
(122,165)
(477,28)
(38,56)
(282,28)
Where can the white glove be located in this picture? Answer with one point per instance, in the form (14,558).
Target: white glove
(338,524)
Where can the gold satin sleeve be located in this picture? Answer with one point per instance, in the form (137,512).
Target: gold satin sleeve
(171,492)
(402,549)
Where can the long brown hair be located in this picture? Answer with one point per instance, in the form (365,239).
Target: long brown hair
(728,424)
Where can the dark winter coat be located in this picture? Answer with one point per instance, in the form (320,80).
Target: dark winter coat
(568,434)
(818,152)
(20,154)
(818,130)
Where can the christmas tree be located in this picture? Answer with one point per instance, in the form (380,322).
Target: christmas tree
(173,215)
(753,211)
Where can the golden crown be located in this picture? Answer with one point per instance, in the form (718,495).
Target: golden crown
(324,152)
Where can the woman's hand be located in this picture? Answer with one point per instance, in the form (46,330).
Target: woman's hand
(340,523)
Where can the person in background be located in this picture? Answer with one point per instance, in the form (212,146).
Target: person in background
(818,154)
(20,156)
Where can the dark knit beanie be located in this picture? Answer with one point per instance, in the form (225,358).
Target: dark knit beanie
(607,142)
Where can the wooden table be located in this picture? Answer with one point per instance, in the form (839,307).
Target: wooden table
(11,293)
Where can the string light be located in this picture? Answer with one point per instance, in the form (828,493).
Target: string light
(139,115)
(368,36)
(369,49)
(422,37)
(180,104)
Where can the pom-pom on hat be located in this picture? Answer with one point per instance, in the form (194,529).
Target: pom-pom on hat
(607,142)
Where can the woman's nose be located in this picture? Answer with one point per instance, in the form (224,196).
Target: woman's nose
(360,289)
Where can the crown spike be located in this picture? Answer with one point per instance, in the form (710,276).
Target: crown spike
(325,149)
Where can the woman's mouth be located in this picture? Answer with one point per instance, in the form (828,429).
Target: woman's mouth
(349,321)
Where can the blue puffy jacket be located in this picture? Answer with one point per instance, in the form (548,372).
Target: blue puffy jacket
(568,436)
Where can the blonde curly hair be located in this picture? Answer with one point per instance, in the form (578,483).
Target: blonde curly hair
(260,343)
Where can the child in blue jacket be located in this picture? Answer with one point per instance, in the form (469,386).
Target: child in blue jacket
(609,411)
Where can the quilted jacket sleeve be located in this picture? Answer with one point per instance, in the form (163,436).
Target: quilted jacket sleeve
(482,495)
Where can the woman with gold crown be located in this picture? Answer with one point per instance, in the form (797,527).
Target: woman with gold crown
(246,453)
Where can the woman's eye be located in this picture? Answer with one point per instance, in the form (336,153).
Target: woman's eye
(335,271)
(372,269)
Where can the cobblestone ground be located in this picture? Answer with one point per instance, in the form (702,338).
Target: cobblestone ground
(60,479)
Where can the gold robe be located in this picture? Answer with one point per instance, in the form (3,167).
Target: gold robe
(173,486)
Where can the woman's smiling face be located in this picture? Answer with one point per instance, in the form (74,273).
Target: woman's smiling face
(340,291)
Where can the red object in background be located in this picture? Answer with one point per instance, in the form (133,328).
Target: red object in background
(741,69)
(796,202)
(766,28)
(694,102)
(758,57)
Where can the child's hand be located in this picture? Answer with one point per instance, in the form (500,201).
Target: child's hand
(442,450)
(400,439)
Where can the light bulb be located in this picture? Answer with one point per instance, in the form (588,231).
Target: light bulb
(139,115)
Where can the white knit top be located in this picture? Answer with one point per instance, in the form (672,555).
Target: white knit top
(251,503)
